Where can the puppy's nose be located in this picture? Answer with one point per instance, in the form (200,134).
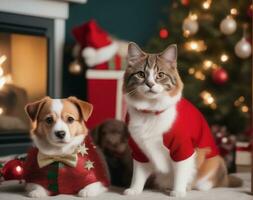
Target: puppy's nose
(60,134)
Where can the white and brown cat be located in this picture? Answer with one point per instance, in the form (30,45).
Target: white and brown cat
(169,137)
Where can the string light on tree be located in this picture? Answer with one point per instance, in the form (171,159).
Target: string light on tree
(191,70)
(197,46)
(199,75)
(228,25)
(190,25)
(245,109)
(208,99)
(224,57)
(207,64)
(206,4)
(240,103)
(233,11)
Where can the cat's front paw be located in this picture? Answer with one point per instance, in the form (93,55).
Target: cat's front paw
(132,191)
(92,190)
(174,193)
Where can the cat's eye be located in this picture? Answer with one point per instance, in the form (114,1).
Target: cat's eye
(49,120)
(140,74)
(160,75)
(70,120)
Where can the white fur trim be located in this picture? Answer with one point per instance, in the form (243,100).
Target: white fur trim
(94,57)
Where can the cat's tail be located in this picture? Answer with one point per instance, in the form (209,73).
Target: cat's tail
(225,179)
(234,181)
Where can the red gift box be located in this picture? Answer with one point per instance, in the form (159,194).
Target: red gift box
(104,91)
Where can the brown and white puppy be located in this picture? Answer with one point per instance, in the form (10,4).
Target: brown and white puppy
(57,129)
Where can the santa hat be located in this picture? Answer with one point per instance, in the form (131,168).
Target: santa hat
(97,47)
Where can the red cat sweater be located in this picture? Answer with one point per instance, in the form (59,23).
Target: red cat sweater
(59,178)
(189,131)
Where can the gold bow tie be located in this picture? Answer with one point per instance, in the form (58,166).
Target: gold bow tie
(44,160)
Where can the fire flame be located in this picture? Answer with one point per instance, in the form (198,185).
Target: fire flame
(4,78)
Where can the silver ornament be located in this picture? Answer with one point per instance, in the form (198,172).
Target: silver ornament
(190,26)
(228,25)
(243,48)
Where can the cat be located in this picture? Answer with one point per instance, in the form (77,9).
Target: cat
(168,135)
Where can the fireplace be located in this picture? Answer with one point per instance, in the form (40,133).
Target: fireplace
(26,74)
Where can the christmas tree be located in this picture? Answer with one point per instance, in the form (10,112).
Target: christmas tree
(214,56)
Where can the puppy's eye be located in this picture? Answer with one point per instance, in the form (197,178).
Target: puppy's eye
(160,75)
(70,120)
(49,120)
(140,74)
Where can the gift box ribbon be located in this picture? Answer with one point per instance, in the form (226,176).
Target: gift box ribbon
(248,148)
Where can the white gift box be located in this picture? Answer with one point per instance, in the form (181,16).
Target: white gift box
(243,153)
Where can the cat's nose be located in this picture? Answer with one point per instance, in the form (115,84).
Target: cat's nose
(150,84)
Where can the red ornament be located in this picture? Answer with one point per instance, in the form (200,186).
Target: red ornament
(164,33)
(13,170)
(250,10)
(185,2)
(220,76)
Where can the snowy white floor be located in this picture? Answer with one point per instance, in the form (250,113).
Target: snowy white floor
(15,191)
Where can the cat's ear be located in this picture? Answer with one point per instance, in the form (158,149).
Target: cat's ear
(134,53)
(170,54)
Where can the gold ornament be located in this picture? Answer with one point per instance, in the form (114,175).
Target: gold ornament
(75,68)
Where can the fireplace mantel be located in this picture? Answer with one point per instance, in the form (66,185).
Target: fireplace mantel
(58,10)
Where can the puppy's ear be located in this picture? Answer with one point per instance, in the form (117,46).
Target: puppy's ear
(84,107)
(33,109)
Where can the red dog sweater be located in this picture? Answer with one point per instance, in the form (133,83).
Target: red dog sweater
(59,178)
(189,131)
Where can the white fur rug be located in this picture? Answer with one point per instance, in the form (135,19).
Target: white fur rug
(11,190)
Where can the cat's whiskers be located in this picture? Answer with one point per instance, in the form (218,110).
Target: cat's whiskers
(132,92)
